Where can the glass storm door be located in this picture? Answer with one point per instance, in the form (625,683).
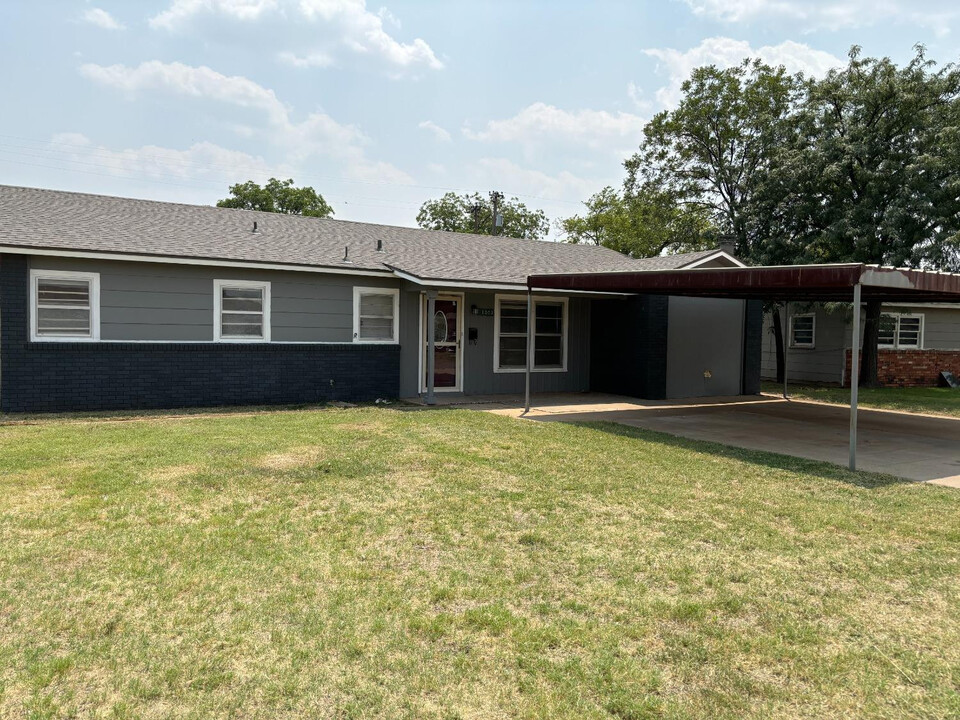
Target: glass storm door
(445,326)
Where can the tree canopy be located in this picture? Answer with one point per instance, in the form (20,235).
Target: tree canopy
(644,224)
(279,196)
(473,213)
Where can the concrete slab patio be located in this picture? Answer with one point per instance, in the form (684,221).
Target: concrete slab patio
(922,448)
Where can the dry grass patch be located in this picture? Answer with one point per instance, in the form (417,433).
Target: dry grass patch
(369,563)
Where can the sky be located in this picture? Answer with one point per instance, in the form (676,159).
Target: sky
(381,107)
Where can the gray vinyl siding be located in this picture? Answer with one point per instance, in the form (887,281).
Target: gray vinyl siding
(704,347)
(941,326)
(174,303)
(821,363)
(479,377)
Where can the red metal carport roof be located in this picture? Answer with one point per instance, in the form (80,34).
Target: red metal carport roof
(785,282)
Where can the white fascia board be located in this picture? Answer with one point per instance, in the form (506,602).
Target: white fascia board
(710,258)
(511,287)
(167,260)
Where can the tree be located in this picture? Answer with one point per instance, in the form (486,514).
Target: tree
(713,151)
(644,224)
(473,213)
(279,196)
(873,174)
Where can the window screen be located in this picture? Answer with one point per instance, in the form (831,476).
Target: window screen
(63,307)
(901,331)
(548,342)
(802,329)
(376,316)
(241,312)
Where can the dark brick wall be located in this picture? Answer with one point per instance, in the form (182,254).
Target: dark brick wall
(39,377)
(629,346)
(752,347)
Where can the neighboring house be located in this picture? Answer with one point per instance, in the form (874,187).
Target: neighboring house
(917,342)
(118,303)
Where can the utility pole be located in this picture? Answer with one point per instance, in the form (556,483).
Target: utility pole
(476,210)
(495,198)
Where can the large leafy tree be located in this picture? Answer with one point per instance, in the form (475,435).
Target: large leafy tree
(712,155)
(873,173)
(643,224)
(712,152)
(473,213)
(279,196)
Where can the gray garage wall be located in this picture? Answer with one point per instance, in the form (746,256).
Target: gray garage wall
(704,335)
(174,303)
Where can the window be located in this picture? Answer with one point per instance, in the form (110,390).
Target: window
(241,311)
(66,305)
(549,334)
(803,331)
(901,331)
(375,312)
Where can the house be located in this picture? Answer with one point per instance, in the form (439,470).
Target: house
(917,342)
(111,302)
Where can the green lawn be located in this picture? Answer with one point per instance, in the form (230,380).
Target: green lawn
(373,563)
(936,401)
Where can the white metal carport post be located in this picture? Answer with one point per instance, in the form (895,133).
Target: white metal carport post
(786,346)
(431,355)
(854,376)
(529,364)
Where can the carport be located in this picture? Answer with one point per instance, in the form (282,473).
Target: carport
(846,282)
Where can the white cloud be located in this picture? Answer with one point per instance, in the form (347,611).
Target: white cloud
(317,134)
(351,24)
(831,14)
(726,52)
(506,174)
(102,19)
(315,59)
(438,132)
(539,121)
(201,162)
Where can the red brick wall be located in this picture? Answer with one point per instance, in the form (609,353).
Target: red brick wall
(911,368)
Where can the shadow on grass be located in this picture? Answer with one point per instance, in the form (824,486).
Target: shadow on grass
(817,468)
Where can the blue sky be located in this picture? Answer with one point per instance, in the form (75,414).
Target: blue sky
(380,107)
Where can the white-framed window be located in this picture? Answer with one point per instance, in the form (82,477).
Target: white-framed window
(64,306)
(901,331)
(376,313)
(510,334)
(803,330)
(241,311)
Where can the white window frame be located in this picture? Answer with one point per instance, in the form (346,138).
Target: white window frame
(218,286)
(358,292)
(896,331)
(91,277)
(813,335)
(536,299)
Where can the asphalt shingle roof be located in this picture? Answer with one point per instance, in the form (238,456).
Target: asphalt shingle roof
(57,220)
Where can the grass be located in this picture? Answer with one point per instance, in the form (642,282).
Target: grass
(934,401)
(372,563)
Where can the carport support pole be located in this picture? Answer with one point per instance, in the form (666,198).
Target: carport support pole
(431,355)
(786,345)
(529,364)
(854,376)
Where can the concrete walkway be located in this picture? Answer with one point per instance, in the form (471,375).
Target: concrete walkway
(923,448)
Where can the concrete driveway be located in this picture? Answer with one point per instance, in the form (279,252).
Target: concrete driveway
(923,448)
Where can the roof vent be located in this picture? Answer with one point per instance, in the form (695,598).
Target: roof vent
(346,254)
(379,245)
(255,226)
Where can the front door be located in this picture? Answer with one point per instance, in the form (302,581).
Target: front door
(446,325)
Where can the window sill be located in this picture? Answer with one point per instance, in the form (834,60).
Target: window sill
(507,371)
